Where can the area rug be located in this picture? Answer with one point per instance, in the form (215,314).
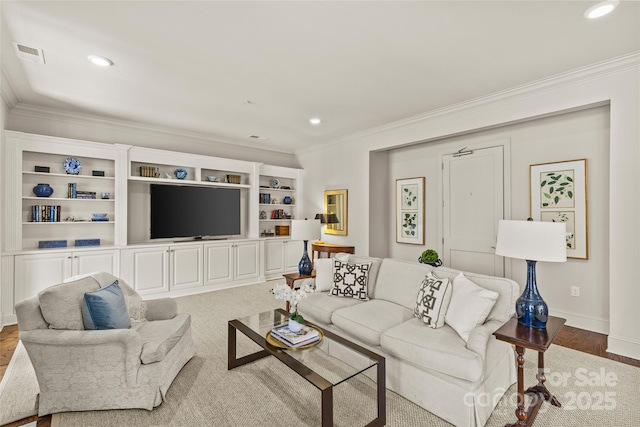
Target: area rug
(19,388)
(594,391)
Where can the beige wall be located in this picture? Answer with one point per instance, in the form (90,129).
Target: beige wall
(616,83)
(576,135)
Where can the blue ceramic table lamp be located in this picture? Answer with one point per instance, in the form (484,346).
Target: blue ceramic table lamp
(532,241)
(305,230)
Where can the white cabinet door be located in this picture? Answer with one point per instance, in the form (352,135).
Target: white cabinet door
(34,273)
(147,269)
(93,261)
(247,258)
(186,266)
(274,257)
(293,254)
(218,263)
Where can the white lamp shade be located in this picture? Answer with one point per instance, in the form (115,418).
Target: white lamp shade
(532,240)
(305,229)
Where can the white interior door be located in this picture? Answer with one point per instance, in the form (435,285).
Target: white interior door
(473,203)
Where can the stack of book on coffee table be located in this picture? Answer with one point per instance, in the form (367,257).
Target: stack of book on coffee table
(305,336)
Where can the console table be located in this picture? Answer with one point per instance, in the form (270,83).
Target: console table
(524,337)
(329,248)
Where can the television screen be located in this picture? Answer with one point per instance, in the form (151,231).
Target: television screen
(183,211)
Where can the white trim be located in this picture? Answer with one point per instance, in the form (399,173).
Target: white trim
(583,322)
(623,347)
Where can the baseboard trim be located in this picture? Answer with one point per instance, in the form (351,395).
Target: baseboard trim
(623,347)
(9,319)
(583,322)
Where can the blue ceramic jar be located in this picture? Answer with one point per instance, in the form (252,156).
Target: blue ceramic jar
(42,190)
(287,200)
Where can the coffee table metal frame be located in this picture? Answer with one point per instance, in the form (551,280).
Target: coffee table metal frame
(325,387)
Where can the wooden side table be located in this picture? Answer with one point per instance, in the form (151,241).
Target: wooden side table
(540,340)
(291,281)
(329,248)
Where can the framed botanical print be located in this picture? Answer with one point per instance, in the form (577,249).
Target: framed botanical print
(558,193)
(410,210)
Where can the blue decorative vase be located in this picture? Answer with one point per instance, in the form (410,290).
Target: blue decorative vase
(304,266)
(531,309)
(287,200)
(42,190)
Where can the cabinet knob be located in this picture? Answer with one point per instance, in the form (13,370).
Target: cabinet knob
(69,257)
(76,256)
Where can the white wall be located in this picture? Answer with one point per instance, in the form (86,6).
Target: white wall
(43,121)
(3,113)
(616,82)
(570,136)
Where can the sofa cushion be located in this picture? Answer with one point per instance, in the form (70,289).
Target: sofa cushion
(160,336)
(399,281)
(470,305)
(433,300)
(508,289)
(105,309)
(369,320)
(318,307)
(61,305)
(324,274)
(350,280)
(441,349)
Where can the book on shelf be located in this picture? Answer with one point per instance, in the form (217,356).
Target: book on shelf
(306,335)
(45,213)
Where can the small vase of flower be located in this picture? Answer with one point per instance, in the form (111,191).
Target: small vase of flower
(293,296)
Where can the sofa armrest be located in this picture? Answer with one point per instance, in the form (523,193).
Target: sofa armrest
(479,337)
(161,309)
(78,354)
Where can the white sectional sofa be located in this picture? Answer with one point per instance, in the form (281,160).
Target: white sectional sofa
(457,380)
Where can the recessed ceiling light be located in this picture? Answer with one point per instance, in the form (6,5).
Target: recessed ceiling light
(601,9)
(315,121)
(100,60)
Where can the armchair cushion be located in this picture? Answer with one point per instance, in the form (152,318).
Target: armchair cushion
(105,308)
(160,336)
(61,305)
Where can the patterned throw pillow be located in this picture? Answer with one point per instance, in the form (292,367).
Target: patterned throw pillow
(350,280)
(433,300)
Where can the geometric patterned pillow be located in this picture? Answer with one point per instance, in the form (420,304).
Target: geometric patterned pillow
(350,280)
(433,300)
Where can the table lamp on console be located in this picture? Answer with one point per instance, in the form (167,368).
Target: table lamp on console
(305,230)
(532,241)
(326,219)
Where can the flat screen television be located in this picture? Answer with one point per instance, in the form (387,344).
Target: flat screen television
(199,212)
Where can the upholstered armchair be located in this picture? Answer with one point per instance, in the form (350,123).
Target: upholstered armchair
(79,369)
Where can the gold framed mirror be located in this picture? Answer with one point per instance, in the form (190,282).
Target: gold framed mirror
(335,202)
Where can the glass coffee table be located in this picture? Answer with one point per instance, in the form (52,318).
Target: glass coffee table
(310,363)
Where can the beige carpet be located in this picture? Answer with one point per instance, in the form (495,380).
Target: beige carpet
(594,391)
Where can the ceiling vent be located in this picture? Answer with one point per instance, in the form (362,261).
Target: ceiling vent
(28,53)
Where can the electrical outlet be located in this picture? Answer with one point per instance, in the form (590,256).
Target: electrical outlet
(575,291)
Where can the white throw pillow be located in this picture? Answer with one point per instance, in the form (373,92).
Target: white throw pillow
(350,280)
(469,307)
(324,274)
(433,300)
(342,256)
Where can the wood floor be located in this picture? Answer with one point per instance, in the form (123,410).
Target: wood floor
(577,339)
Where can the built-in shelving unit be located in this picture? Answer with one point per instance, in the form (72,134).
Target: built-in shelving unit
(124,247)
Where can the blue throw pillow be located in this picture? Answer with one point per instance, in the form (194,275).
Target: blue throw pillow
(105,309)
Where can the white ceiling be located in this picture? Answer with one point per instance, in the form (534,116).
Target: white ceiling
(191,66)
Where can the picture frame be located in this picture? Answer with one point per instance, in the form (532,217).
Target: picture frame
(410,210)
(558,193)
(337,202)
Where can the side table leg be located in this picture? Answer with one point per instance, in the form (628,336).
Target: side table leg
(540,388)
(521,414)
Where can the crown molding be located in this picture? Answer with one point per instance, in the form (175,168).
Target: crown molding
(9,95)
(37,111)
(568,78)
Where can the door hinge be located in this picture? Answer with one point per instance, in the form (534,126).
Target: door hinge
(443,240)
